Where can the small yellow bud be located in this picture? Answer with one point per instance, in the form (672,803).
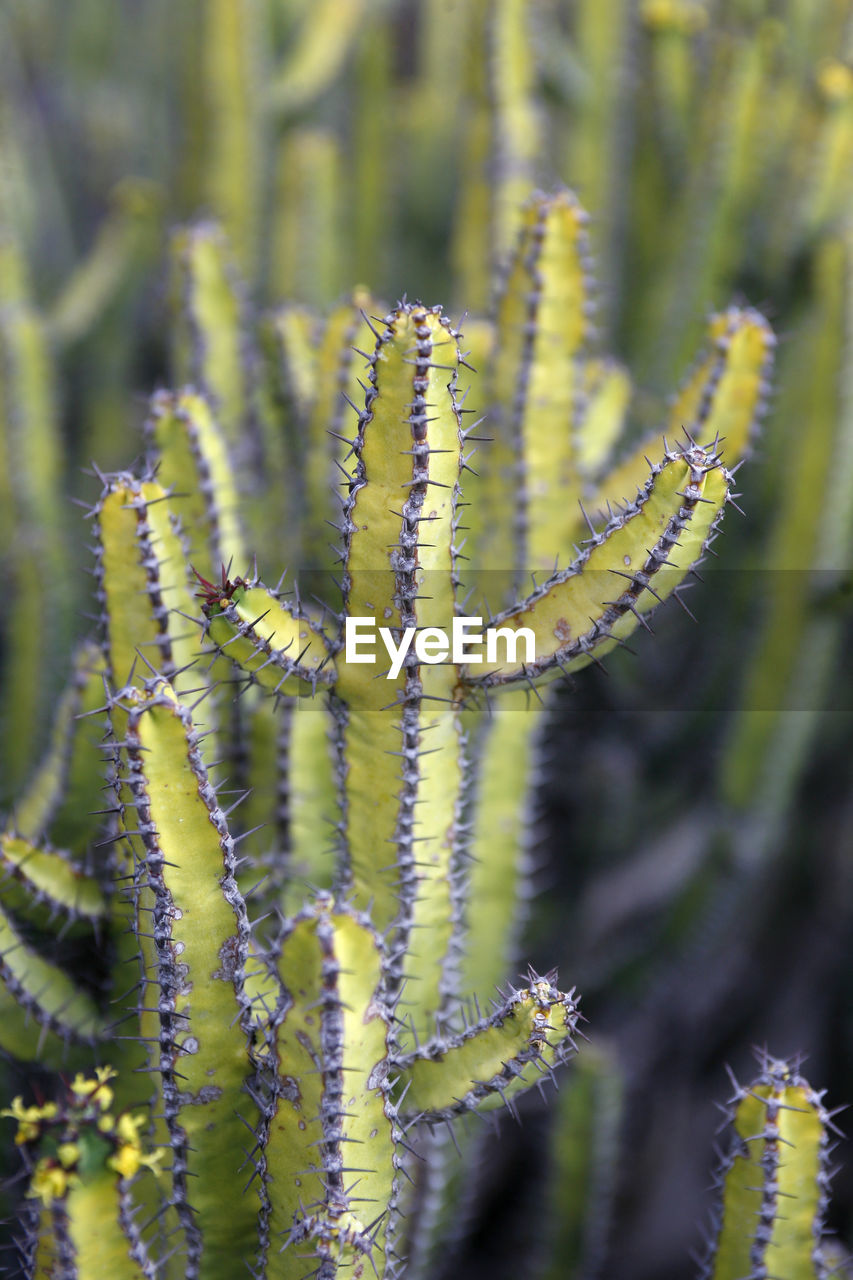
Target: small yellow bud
(835,80)
(68,1153)
(126,1161)
(48,1182)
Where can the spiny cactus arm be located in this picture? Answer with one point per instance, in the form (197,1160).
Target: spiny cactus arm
(285,387)
(123,244)
(646,551)
(192,462)
(774,1181)
(84,1161)
(723,398)
(42,886)
(399,569)
(65,788)
(45,1016)
(279,648)
(320,47)
(332,1123)
(207,342)
(190,907)
(290,338)
(491,1061)
(485,537)
(288,823)
(505,753)
(537,379)
(143,584)
(332,425)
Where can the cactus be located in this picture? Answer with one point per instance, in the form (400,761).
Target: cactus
(351,1023)
(337,143)
(774,1181)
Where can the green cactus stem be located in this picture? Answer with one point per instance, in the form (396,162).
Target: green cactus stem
(774,1180)
(192,922)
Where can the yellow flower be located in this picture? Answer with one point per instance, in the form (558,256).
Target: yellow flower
(86,1089)
(835,80)
(126,1161)
(29,1118)
(49,1181)
(129,1159)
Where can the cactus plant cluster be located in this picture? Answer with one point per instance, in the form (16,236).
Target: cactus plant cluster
(258,894)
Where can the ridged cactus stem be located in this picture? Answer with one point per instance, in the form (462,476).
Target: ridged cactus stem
(400,570)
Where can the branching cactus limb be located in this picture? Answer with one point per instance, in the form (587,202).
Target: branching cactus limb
(400,571)
(774,1181)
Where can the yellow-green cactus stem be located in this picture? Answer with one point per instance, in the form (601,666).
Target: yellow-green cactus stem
(290,336)
(229,45)
(606,395)
(582,612)
(399,569)
(313,803)
(195,933)
(41,885)
(288,823)
(596,133)
(673,26)
(773,1182)
(828,190)
(143,584)
(505,751)
(43,1013)
(32,541)
(306,234)
(279,647)
(325,38)
(471,249)
(527,1035)
(332,1120)
(517,129)
(723,399)
(124,244)
(537,380)
(207,345)
(330,426)
(485,536)
(192,464)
